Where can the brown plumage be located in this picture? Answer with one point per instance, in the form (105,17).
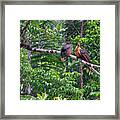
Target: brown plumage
(81,53)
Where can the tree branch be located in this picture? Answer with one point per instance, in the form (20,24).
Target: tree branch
(28,47)
(95,71)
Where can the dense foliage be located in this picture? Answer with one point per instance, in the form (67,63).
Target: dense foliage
(43,76)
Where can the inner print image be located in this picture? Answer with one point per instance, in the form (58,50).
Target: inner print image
(59,59)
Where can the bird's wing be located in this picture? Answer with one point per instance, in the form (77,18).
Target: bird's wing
(85,55)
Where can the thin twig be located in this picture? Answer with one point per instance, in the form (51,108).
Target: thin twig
(76,28)
(95,71)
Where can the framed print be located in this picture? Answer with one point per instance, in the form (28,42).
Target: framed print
(60,59)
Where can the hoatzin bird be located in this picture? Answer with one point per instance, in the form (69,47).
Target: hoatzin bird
(65,50)
(81,53)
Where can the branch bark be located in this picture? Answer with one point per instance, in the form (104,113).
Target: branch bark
(28,47)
